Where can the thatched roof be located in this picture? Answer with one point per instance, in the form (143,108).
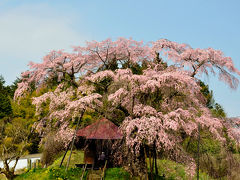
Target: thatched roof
(101,129)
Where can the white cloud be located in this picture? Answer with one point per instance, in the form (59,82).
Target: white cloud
(29,32)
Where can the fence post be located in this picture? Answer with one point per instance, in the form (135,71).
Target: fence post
(34,165)
(29,163)
(38,163)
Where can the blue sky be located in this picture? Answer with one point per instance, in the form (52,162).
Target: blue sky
(29,29)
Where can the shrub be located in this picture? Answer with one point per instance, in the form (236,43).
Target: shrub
(51,150)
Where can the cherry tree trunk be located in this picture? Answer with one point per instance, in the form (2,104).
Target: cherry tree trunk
(136,164)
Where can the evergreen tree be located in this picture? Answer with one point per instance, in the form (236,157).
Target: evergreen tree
(5,103)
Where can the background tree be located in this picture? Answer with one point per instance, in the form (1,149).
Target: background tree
(5,103)
(216,108)
(13,144)
(16,119)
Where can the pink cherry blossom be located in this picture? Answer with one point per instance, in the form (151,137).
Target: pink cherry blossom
(163,104)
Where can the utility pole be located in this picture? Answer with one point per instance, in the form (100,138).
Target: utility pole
(198,151)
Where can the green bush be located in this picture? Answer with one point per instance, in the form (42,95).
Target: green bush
(207,145)
(171,170)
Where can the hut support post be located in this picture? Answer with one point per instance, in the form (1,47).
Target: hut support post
(74,139)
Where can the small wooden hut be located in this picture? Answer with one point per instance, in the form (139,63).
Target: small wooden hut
(99,137)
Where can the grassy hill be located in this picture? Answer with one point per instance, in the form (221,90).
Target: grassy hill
(168,170)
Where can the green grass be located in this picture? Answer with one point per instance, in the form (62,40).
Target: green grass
(72,174)
(34,174)
(51,173)
(54,171)
(171,170)
(77,157)
(116,174)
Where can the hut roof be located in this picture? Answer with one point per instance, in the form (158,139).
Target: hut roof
(101,129)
